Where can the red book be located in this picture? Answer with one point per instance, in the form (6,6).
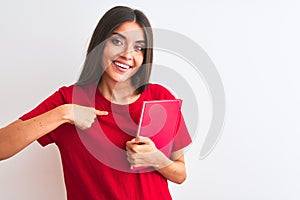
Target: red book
(159,121)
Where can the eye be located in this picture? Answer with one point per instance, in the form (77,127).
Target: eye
(116,41)
(139,48)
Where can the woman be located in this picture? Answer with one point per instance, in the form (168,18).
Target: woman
(93,122)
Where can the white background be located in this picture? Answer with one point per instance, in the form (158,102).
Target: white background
(254,45)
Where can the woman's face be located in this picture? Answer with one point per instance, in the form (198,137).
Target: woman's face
(123,52)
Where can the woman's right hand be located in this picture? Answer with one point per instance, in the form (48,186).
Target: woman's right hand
(83,117)
(19,134)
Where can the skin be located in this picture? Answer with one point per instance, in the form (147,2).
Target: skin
(116,87)
(143,152)
(19,134)
(124,46)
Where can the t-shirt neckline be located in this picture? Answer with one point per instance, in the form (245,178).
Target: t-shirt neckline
(120,107)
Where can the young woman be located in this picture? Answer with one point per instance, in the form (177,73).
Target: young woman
(93,122)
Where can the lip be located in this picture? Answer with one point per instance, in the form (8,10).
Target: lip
(121,66)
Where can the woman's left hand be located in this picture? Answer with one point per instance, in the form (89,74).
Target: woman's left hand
(141,145)
(142,151)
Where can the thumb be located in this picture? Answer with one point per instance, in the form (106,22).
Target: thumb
(141,140)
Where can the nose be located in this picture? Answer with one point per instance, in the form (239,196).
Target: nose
(128,53)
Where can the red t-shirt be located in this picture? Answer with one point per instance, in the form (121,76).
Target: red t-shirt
(94,160)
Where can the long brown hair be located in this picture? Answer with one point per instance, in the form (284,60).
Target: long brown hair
(112,19)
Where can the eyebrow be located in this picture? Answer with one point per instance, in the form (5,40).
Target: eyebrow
(122,36)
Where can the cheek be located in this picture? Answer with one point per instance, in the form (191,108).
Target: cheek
(111,52)
(139,60)
(108,55)
(104,61)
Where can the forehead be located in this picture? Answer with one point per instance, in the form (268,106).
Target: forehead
(131,30)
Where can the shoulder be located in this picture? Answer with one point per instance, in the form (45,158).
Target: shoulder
(65,91)
(70,89)
(159,91)
(71,92)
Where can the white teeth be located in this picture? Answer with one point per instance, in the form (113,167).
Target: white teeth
(122,65)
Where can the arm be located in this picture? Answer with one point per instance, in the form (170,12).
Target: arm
(19,134)
(176,171)
(142,152)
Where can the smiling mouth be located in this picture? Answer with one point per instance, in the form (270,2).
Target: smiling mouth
(122,65)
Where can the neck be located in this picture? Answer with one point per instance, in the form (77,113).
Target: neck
(118,92)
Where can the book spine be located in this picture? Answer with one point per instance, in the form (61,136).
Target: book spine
(141,120)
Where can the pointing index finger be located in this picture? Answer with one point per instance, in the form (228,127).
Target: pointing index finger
(99,112)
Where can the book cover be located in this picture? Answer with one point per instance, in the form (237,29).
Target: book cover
(159,121)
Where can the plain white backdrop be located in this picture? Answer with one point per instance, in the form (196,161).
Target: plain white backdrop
(254,45)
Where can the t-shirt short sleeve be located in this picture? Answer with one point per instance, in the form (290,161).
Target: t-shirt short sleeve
(53,101)
(182,137)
